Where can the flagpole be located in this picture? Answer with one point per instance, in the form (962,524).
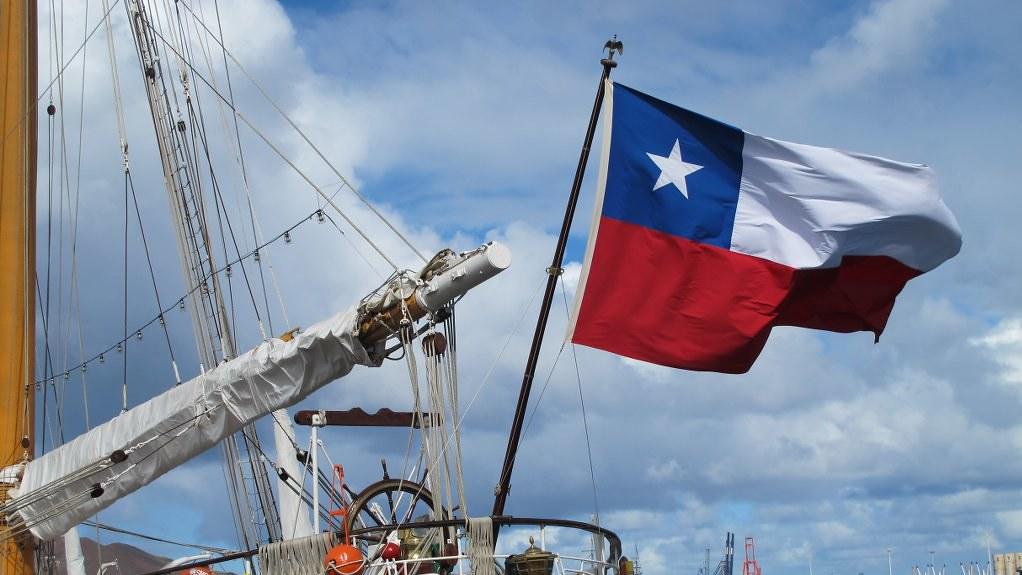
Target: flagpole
(553,272)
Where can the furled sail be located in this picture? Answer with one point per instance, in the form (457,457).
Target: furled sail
(67,485)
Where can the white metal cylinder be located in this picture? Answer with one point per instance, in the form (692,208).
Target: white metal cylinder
(494,258)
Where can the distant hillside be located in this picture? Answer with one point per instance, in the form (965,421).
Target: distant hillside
(130,559)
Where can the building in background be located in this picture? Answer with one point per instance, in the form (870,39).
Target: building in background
(1007,563)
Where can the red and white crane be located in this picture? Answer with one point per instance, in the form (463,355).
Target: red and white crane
(751,566)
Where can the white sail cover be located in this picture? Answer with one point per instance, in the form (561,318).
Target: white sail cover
(171,428)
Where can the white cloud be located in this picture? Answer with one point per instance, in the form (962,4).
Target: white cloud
(1011,522)
(893,36)
(1004,344)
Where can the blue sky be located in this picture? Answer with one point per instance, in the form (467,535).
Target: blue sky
(463,123)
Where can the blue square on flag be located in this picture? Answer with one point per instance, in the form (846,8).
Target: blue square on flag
(672,170)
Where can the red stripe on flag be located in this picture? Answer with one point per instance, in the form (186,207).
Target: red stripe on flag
(664,299)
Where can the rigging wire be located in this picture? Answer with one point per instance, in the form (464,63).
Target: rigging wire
(67,197)
(542,392)
(218,188)
(468,408)
(47,367)
(546,383)
(75,296)
(112,529)
(279,153)
(218,201)
(582,402)
(235,145)
(152,276)
(124,348)
(316,149)
(48,370)
(213,323)
(189,189)
(585,423)
(319,191)
(46,491)
(63,178)
(41,384)
(327,216)
(32,107)
(100,356)
(240,154)
(54,45)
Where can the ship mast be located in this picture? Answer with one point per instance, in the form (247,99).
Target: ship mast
(210,319)
(17,257)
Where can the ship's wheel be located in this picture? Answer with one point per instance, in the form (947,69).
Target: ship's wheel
(394,502)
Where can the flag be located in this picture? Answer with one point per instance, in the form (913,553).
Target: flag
(705,237)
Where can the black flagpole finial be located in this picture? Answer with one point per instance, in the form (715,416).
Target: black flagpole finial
(613,46)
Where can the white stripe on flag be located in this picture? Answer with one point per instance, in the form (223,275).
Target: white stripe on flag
(806,207)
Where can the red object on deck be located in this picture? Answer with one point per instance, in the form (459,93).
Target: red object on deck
(391,551)
(200,570)
(344,560)
(751,566)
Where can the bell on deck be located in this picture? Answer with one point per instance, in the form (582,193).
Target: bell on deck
(534,561)
(415,551)
(412,545)
(344,560)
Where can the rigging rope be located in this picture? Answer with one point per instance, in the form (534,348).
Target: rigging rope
(152,276)
(100,356)
(319,190)
(452,391)
(115,78)
(582,402)
(276,150)
(319,153)
(236,148)
(112,529)
(203,44)
(32,108)
(76,301)
(123,348)
(219,202)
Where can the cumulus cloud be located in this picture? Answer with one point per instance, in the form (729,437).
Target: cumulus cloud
(1003,343)
(893,36)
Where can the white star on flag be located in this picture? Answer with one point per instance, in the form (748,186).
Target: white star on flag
(673,169)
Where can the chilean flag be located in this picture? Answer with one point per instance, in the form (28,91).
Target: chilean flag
(704,237)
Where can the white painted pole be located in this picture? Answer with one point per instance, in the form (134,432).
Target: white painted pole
(317,422)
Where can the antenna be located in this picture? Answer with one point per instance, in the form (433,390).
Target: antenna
(990,556)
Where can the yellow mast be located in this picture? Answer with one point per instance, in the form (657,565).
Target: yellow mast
(17,253)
